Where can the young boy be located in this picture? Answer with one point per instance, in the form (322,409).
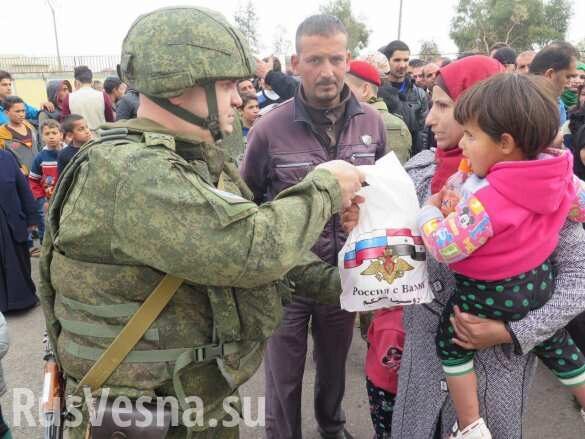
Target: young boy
(74,127)
(43,173)
(249,112)
(18,134)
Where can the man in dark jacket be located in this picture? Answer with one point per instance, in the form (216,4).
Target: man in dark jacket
(127,105)
(285,86)
(413,100)
(323,121)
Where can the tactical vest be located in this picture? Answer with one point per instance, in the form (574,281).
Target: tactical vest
(91,313)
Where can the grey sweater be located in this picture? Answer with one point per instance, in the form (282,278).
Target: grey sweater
(504,376)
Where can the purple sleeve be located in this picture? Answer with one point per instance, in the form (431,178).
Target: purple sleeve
(108,109)
(452,239)
(254,167)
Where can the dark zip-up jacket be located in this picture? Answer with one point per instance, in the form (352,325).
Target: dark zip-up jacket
(284,146)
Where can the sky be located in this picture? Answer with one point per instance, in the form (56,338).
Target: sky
(97,27)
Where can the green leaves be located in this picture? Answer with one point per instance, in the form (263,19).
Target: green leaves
(359,33)
(523,24)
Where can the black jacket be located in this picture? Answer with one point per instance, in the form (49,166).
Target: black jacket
(16,200)
(127,105)
(411,103)
(283,85)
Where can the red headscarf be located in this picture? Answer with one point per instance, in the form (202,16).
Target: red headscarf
(454,79)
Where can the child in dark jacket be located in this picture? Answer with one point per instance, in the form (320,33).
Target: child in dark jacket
(43,173)
(75,129)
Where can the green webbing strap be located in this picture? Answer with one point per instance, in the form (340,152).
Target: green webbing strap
(146,356)
(110,311)
(210,123)
(102,330)
(180,112)
(193,356)
(131,334)
(199,354)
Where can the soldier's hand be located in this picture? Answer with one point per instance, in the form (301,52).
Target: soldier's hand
(350,216)
(348,176)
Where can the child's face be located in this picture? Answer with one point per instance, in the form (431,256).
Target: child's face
(80,133)
(16,114)
(481,150)
(5,87)
(250,111)
(52,137)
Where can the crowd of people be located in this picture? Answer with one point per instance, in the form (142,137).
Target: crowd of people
(491,109)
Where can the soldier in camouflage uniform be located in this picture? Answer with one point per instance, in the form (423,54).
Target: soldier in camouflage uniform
(363,79)
(158,195)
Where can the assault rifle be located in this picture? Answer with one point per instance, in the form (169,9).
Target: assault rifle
(53,399)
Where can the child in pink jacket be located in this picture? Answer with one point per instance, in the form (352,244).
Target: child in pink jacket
(505,227)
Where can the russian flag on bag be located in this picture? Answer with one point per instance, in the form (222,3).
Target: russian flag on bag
(383,262)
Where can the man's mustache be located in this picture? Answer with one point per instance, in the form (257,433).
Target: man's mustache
(326,82)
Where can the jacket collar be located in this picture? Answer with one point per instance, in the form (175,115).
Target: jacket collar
(301,114)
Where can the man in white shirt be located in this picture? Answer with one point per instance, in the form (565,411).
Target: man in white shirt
(93,105)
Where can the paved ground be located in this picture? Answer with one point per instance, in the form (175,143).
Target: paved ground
(550,413)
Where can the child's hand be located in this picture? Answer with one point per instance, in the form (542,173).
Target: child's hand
(449,202)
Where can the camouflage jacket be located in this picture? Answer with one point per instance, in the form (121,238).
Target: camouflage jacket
(140,202)
(398,138)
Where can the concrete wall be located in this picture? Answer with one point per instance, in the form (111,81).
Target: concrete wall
(32,88)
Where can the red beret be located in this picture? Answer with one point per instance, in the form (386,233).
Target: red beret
(365,71)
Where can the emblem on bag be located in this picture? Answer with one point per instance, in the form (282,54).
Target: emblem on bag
(387,267)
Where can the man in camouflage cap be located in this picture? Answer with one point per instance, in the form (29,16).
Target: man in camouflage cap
(159,195)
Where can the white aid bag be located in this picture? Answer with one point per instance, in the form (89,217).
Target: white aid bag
(383,261)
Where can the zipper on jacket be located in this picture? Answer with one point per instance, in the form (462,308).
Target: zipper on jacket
(361,155)
(293,165)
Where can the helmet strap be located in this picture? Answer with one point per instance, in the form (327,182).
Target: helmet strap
(210,123)
(213,112)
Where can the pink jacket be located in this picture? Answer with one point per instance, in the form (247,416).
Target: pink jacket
(508,222)
(386,343)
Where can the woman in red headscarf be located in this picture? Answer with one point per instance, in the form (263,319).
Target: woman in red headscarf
(422,409)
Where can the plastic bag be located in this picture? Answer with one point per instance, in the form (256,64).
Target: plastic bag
(383,261)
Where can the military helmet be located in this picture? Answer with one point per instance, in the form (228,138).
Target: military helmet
(171,49)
